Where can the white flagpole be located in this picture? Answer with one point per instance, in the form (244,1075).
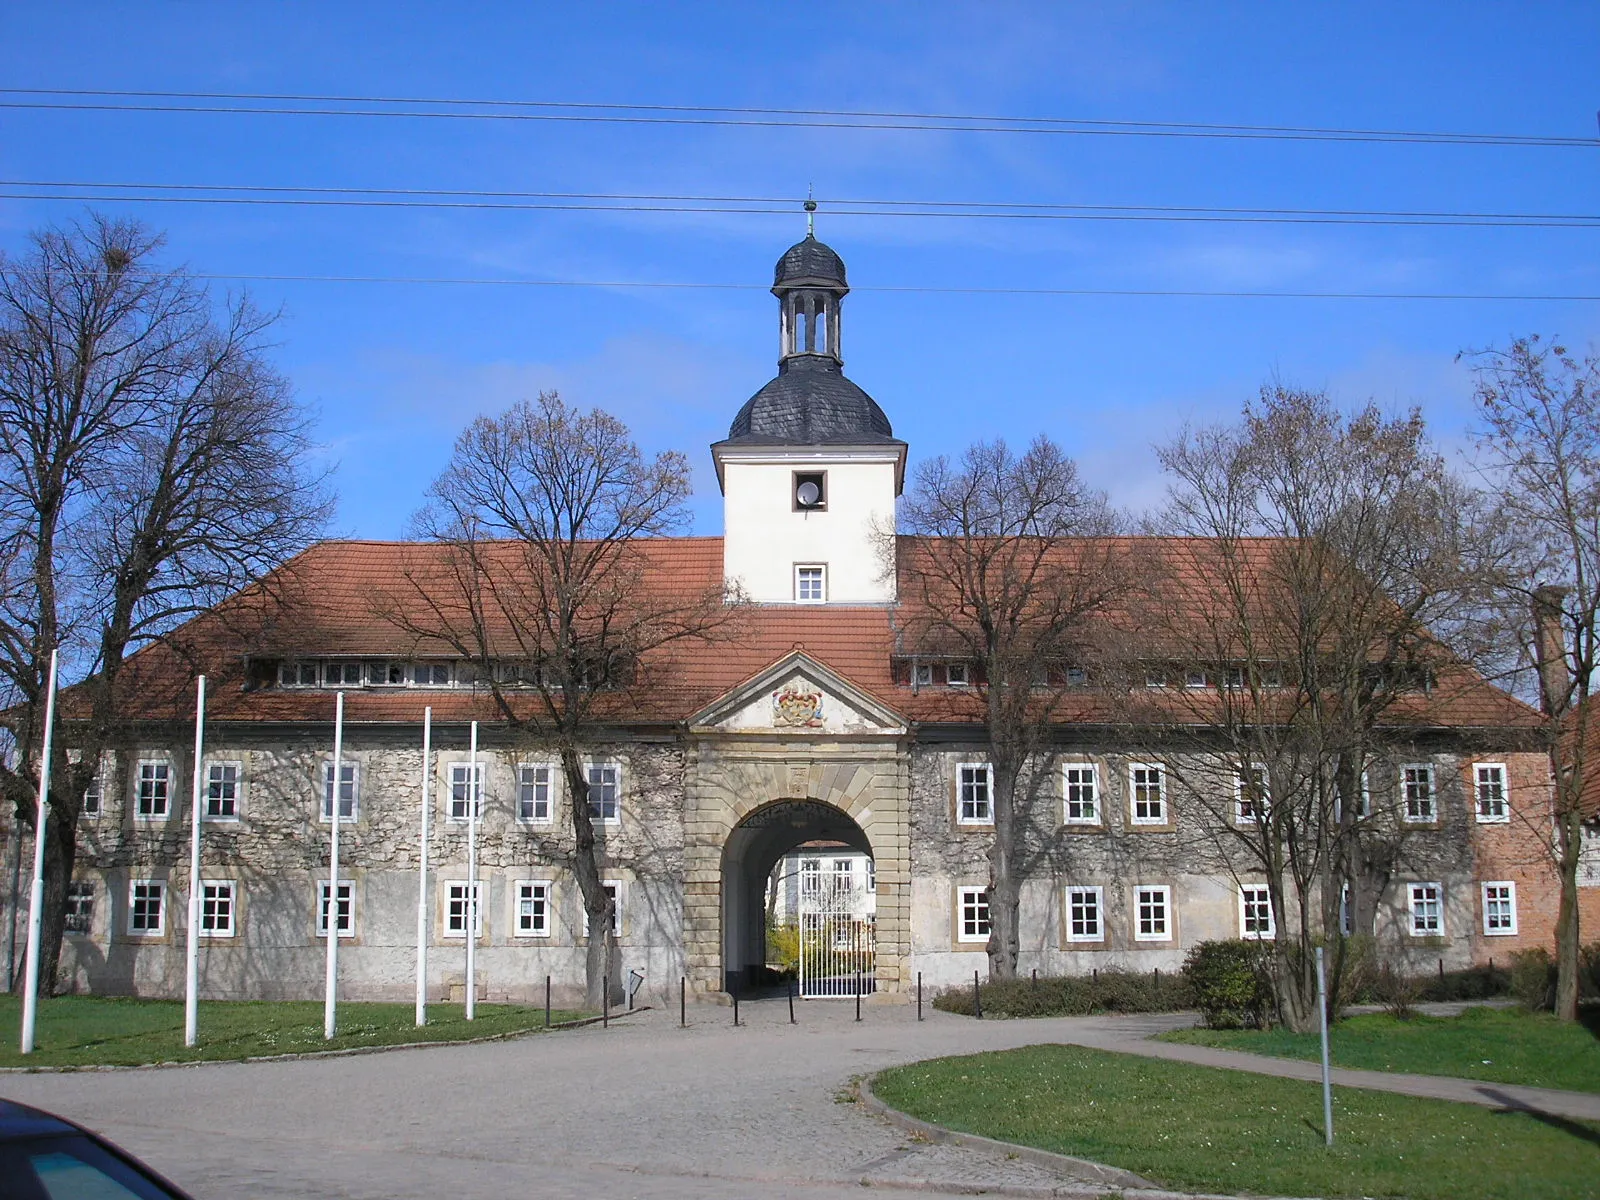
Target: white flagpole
(191,994)
(422,874)
(329,1015)
(474,791)
(30,991)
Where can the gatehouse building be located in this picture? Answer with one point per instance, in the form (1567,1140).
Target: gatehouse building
(818,734)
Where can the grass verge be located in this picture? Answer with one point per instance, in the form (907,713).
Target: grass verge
(1212,1130)
(81,1031)
(1505,1045)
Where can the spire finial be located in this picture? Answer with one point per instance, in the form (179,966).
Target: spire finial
(811,213)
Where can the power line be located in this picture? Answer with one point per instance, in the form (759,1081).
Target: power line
(789,200)
(409,280)
(673,114)
(406,198)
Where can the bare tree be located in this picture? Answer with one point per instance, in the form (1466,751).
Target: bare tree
(151,461)
(1541,448)
(1280,635)
(1005,562)
(541,575)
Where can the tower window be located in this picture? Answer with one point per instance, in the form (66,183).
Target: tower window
(810,491)
(810,584)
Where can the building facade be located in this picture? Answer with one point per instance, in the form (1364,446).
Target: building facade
(814,727)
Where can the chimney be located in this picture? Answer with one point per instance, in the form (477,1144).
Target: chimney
(1550,650)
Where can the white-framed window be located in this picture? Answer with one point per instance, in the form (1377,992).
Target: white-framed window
(922,675)
(1147,793)
(1081,785)
(147,908)
(605,786)
(80,907)
(844,874)
(466,790)
(1489,789)
(1086,914)
(1155,677)
(1500,908)
(341,673)
(347,909)
(810,876)
(613,888)
(1152,913)
(298,673)
(1196,677)
(430,675)
(1427,909)
(973,800)
(154,794)
(1255,913)
(956,674)
(872,876)
(534,790)
(810,583)
(1347,916)
(533,908)
(1416,792)
(94,796)
(460,897)
(222,790)
(1251,797)
(219,908)
(1233,678)
(972,915)
(349,779)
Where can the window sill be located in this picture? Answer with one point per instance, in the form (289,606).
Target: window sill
(1083,826)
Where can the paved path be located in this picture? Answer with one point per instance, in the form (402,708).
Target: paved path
(644,1109)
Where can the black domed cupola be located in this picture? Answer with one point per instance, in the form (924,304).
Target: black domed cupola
(809,283)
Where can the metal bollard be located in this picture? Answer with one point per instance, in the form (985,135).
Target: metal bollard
(1035,978)
(919,995)
(683,1002)
(547,1002)
(791,1002)
(605,1003)
(858,993)
(977,998)
(734,987)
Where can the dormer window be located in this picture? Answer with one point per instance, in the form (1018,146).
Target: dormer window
(810,491)
(956,674)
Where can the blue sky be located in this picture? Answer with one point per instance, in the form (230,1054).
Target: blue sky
(394,371)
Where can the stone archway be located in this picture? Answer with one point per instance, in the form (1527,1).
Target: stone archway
(751,851)
(867,784)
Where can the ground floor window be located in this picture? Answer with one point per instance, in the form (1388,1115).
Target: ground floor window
(533,792)
(147,908)
(1427,909)
(80,907)
(460,898)
(1255,913)
(533,908)
(1499,908)
(218,908)
(1152,914)
(613,889)
(973,923)
(347,909)
(1085,908)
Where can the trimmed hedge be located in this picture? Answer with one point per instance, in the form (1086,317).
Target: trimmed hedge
(1073,995)
(1231,987)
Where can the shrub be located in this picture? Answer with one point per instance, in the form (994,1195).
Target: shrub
(1397,993)
(1073,995)
(1230,982)
(1473,983)
(1533,978)
(1589,972)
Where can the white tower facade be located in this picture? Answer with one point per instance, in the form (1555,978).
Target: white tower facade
(811,467)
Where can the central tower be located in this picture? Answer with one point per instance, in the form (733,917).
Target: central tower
(810,468)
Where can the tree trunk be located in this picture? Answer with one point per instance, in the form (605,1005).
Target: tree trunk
(1569,841)
(1004,888)
(599,959)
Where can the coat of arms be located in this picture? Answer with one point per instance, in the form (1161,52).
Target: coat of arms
(792,709)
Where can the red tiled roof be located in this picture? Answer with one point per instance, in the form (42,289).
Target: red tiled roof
(332,599)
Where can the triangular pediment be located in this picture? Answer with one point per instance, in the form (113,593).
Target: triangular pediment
(797,695)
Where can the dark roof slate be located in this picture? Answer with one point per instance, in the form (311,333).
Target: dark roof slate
(809,261)
(811,403)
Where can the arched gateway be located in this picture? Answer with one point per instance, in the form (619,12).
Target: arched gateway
(794,755)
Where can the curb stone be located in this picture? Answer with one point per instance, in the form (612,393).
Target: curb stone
(344,1052)
(1098,1178)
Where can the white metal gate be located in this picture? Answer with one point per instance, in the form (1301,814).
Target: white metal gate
(836,938)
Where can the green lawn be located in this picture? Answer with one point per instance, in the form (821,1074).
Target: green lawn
(1211,1130)
(1501,1045)
(102,1031)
